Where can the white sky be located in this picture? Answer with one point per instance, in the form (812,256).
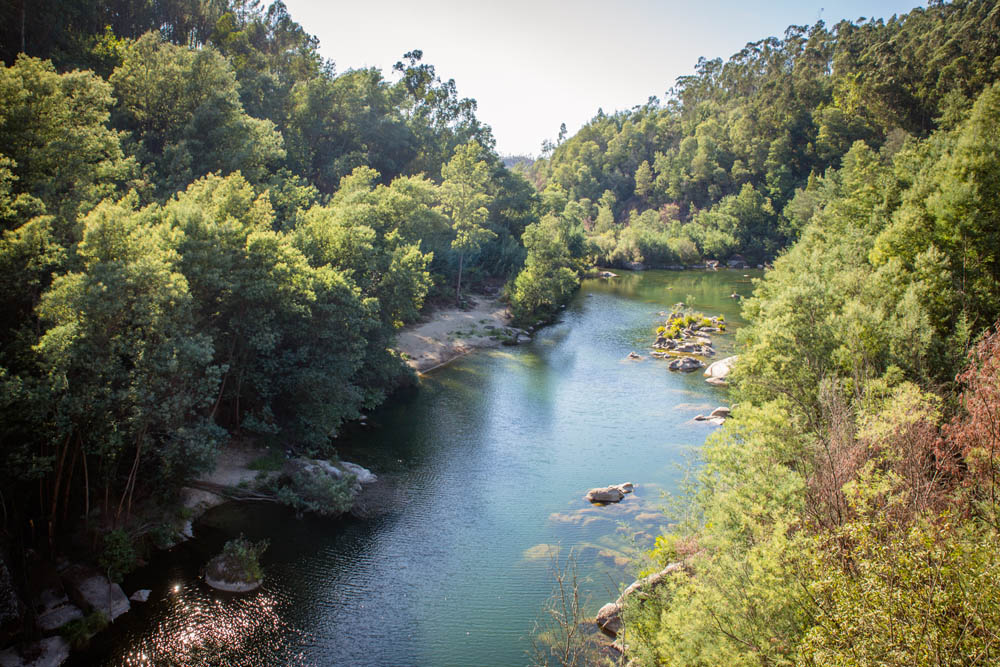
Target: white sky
(532,65)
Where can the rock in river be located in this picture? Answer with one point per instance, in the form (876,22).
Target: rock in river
(685,364)
(716,372)
(609,494)
(91,590)
(609,618)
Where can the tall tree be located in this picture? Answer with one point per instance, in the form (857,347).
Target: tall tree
(464,200)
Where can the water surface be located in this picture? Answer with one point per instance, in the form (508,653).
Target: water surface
(493,455)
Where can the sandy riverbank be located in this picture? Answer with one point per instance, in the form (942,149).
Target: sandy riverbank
(448,334)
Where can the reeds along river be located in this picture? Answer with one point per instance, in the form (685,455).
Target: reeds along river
(492,456)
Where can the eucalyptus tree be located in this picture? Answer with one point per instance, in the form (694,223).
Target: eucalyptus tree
(464,199)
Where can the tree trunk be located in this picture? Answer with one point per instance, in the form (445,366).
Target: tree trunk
(458,287)
(69,483)
(86,490)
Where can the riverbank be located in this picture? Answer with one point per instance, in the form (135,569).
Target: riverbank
(451,333)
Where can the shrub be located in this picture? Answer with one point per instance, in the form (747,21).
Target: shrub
(241,559)
(118,556)
(79,631)
(316,492)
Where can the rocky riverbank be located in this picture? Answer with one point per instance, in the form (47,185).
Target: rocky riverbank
(451,333)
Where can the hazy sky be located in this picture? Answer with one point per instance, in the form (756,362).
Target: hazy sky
(533,64)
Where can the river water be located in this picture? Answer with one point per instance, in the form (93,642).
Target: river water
(493,455)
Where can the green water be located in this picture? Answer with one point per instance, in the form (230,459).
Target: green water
(492,455)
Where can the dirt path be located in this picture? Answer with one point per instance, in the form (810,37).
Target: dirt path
(449,334)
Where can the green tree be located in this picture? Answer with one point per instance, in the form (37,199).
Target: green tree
(129,375)
(464,199)
(183,109)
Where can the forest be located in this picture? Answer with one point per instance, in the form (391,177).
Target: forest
(847,515)
(210,232)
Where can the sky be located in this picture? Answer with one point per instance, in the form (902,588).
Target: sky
(534,64)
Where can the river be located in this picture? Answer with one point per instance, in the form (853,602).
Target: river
(493,455)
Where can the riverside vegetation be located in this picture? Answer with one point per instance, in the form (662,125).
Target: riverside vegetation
(208,231)
(847,513)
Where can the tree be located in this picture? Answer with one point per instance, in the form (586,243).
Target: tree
(55,142)
(129,376)
(183,109)
(464,199)
(643,179)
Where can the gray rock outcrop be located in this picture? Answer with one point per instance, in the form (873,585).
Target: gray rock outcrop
(610,494)
(91,591)
(52,619)
(609,617)
(717,372)
(606,494)
(685,364)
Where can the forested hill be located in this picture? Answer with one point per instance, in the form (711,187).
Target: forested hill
(207,231)
(720,167)
(848,513)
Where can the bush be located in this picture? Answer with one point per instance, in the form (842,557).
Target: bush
(240,560)
(316,492)
(79,631)
(118,557)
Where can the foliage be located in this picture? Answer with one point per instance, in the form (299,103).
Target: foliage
(316,492)
(79,631)
(118,556)
(732,151)
(242,559)
(836,520)
(559,639)
(206,230)
(464,200)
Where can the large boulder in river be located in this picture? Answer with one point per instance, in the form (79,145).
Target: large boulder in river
(363,475)
(237,569)
(685,364)
(607,494)
(719,370)
(91,590)
(610,494)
